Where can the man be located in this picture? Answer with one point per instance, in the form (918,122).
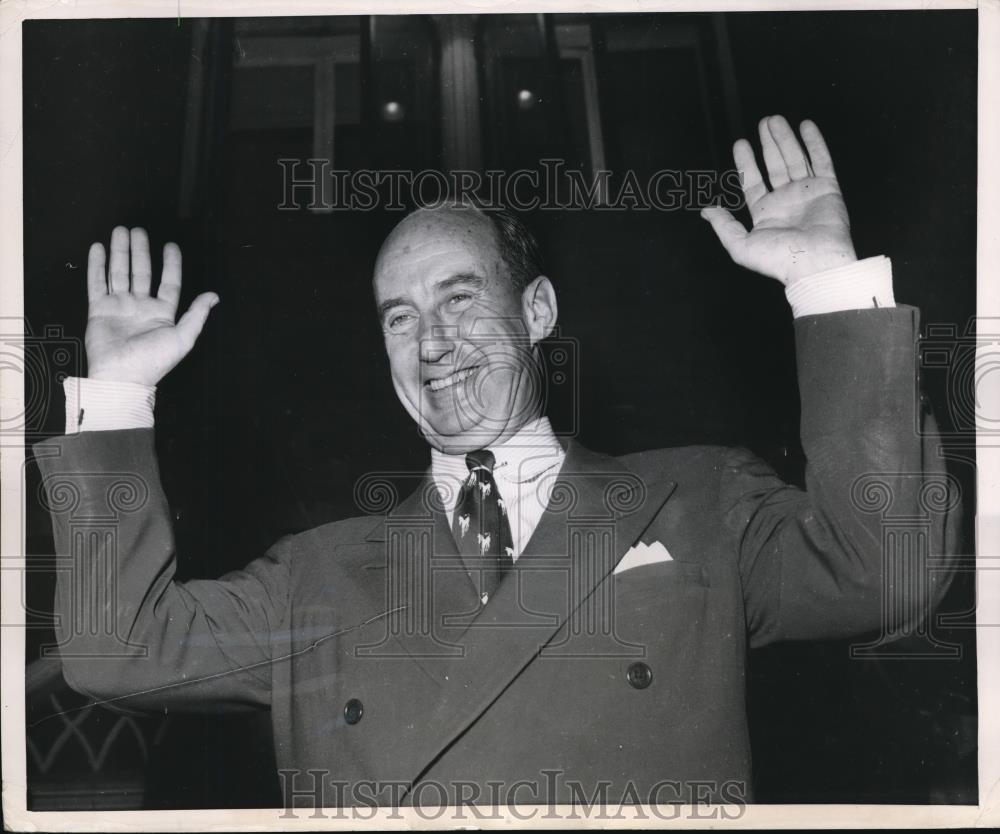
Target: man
(534,622)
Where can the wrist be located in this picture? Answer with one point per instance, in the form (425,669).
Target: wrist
(99,373)
(820,262)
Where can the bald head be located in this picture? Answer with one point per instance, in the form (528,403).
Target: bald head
(517,250)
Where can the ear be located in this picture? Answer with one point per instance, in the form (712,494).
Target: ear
(539,308)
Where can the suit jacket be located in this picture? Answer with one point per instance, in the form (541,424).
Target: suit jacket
(364,639)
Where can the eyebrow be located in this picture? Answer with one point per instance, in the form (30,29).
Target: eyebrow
(472,278)
(388,304)
(465,278)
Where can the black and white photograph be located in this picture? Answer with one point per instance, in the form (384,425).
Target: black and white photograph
(495,417)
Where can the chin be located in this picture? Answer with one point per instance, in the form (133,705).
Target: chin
(457,425)
(453,437)
(467,439)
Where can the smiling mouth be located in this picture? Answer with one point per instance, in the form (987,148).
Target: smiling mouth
(451,379)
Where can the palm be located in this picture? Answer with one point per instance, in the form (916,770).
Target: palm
(137,336)
(131,335)
(801,226)
(804,217)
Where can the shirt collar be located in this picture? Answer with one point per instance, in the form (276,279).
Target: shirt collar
(523,457)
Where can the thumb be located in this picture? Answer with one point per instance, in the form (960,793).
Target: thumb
(730,232)
(192,322)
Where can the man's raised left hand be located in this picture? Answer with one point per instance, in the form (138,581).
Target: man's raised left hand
(800,225)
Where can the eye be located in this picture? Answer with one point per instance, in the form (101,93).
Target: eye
(399,322)
(459,299)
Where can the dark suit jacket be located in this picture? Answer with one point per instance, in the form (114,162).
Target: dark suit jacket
(361,635)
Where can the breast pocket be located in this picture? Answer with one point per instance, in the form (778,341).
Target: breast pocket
(672,573)
(662,603)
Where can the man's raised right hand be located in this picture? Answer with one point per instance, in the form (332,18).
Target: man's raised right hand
(132,335)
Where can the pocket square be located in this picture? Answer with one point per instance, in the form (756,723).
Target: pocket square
(643,554)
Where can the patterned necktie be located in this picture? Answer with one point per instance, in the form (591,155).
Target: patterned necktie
(481,529)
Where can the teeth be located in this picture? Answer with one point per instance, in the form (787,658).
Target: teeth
(453,379)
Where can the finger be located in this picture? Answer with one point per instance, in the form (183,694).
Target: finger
(753,183)
(777,173)
(789,147)
(142,272)
(118,272)
(731,233)
(97,283)
(822,162)
(170,280)
(192,322)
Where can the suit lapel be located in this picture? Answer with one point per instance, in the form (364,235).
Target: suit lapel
(596,511)
(424,581)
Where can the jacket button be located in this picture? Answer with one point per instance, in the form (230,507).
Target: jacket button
(639,675)
(353,710)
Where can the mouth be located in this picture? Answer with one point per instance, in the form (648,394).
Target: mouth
(452,379)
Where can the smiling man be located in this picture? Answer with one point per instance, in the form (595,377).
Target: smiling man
(462,302)
(535,622)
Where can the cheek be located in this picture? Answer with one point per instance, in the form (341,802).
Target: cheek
(402,364)
(502,345)
(485,319)
(509,374)
(498,338)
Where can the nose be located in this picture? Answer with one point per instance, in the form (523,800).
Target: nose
(437,343)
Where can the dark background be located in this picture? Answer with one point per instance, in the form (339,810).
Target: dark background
(286,401)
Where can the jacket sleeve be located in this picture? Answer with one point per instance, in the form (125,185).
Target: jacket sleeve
(130,636)
(869,546)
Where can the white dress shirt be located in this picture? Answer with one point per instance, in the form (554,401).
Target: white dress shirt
(526,463)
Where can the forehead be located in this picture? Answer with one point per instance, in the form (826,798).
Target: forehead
(433,245)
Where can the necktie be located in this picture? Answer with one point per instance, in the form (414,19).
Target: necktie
(481,529)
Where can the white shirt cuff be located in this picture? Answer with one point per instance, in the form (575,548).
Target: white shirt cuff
(100,405)
(856,286)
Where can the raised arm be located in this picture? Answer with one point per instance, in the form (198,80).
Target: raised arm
(866,546)
(130,635)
